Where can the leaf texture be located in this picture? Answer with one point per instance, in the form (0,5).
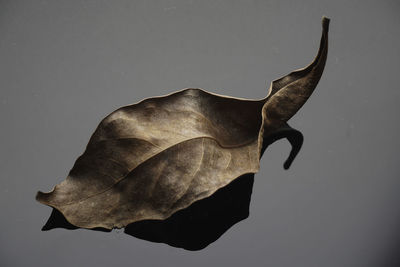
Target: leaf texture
(149,160)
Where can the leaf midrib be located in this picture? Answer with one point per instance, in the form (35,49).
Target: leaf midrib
(125,176)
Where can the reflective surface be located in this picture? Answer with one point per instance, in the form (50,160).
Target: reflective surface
(65,65)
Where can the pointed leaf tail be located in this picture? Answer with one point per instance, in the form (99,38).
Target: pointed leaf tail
(288,94)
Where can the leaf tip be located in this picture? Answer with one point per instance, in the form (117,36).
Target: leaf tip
(41,197)
(325,23)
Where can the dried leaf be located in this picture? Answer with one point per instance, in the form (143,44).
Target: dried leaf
(149,160)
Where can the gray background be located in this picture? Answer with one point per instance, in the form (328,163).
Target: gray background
(64,65)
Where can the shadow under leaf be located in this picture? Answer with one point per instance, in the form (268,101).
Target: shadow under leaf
(192,228)
(57,220)
(204,221)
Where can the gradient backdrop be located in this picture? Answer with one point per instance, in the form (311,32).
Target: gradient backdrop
(64,65)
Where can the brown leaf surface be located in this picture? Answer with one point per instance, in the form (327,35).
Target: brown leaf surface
(151,159)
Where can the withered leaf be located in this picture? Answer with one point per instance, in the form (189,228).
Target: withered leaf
(149,160)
